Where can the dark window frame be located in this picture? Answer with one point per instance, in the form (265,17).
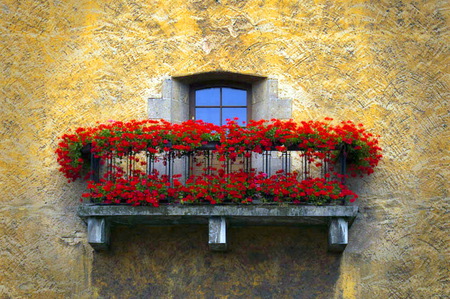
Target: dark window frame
(219,84)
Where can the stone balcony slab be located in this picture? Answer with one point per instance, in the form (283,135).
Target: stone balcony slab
(218,217)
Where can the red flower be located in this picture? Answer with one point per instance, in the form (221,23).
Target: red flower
(317,142)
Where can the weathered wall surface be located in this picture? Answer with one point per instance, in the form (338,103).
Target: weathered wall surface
(279,262)
(71,63)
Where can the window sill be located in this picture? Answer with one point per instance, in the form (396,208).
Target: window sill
(99,219)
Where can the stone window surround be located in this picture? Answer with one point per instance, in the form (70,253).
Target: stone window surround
(173,106)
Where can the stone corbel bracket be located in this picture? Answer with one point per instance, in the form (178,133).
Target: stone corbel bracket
(100,218)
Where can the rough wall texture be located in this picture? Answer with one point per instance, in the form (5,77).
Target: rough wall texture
(71,63)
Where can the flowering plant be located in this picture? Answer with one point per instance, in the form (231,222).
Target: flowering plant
(136,189)
(314,137)
(219,187)
(284,187)
(319,142)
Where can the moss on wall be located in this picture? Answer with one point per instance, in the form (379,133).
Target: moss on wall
(71,63)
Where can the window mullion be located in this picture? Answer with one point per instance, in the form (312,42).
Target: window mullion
(221,107)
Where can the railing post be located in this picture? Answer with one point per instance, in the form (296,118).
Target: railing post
(95,167)
(218,233)
(343,158)
(267,155)
(286,161)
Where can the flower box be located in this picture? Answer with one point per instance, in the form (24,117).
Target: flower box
(209,146)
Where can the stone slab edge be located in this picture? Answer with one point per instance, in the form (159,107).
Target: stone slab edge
(243,212)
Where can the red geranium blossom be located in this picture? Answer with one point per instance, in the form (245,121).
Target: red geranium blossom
(317,142)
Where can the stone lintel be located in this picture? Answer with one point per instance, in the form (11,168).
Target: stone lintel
(218,234)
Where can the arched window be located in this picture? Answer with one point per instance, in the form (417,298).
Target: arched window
(215,102)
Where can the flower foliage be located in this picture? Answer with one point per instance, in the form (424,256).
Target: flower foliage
(220,187)
(317,141)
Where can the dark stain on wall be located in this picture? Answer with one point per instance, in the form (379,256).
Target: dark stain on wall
(174,262)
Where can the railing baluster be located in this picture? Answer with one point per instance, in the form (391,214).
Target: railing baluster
(187,166)
(208,162)
(305,166)
(247,161)
(286,161)
(110,166)
(343,161)
(267,155)
(169,165)
(95,167)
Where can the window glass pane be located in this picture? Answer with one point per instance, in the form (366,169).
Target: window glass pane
(234,97)
(207,97)
(230,113)
(209,115)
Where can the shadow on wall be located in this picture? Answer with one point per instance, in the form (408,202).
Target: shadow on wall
(174,262)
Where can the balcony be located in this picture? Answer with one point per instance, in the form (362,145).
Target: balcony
(231,178)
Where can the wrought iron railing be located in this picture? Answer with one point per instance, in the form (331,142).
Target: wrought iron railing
(332,166)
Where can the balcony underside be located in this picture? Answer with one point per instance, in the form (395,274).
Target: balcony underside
(100,218)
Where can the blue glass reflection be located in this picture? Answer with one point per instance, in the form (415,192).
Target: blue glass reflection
(209,115)
(207,97)
(234,97)
(230,113)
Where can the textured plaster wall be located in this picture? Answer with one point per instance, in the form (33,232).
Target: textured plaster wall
(71,63)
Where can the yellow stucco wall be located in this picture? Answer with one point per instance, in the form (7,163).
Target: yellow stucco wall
(71,63)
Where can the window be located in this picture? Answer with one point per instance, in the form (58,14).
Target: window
(215,102)
(218,101)
(220,97)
